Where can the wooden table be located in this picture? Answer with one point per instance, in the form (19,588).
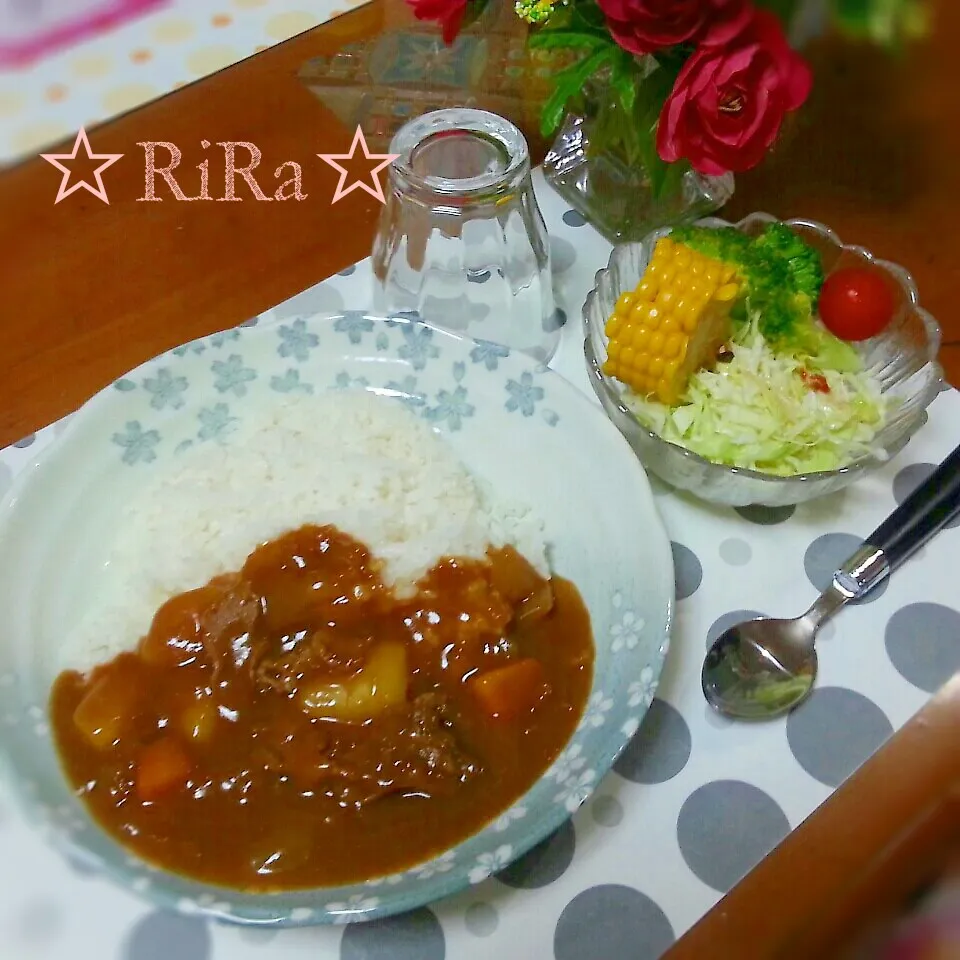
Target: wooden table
(92,290)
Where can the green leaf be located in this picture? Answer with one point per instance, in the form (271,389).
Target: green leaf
(567,83)
(669,176)
(624,77)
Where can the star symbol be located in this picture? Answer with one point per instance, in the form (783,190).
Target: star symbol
(376,190)
(55,158)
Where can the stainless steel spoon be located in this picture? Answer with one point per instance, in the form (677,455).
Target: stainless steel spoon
(763,668)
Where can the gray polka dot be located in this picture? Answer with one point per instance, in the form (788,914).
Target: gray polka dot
(735,551)
(834,731)
(827,553)
(607,811)
(161,935)
(909,478)
(612,921)
(40,922)
(726,828)
(478,276)
(481,919)
(544,863)
(728,620)
(562,254)
(659,750)
(687,570)
(923,643)
(6,478)
(555,321)
(348,271)
(573,219)
(252,322)
(322,298)
(416,935)
(766,515)
(26,441)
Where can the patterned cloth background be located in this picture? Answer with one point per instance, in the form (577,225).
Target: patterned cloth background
(30,29)
(95,77)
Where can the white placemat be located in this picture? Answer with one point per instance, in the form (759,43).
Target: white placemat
(107,73)
(695,801)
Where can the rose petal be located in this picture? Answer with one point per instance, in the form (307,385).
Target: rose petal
(650,25)
(734,19)
(709,167)
(624,36)
(448,13)
(705,82)
(736,61)
(667,140)
(451,23)
(799,83)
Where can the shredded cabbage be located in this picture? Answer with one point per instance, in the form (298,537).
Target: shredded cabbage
(757,412)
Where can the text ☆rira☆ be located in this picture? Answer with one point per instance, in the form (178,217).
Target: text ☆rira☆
(163,158)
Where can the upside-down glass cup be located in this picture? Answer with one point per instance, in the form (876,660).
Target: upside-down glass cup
(461,240)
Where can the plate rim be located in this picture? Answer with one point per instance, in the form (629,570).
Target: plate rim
(441,886)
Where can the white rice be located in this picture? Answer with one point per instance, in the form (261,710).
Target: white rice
(364,464)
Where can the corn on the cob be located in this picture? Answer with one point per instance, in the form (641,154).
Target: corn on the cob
(672,324)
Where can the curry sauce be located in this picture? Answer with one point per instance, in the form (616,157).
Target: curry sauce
(300,723)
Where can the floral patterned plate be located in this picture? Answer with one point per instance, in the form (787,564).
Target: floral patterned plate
(518,426)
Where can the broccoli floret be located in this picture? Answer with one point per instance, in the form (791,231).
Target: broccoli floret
(769,295)
(778,242)
(781,276)
(726,243)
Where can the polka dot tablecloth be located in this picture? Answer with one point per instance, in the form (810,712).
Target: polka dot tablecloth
(110,72)
(693,803)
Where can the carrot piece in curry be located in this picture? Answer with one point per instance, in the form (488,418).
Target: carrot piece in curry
(163,766)
(511,691)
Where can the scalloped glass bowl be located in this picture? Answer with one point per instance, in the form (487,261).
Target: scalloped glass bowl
(903,358)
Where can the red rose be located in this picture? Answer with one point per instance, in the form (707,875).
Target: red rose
(728,103)
(643,26)
(448,13)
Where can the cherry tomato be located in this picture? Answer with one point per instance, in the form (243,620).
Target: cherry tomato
(856,303)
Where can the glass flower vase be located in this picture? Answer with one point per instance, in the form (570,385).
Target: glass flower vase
(595,166)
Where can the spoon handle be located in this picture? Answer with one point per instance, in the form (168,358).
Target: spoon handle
(922,515)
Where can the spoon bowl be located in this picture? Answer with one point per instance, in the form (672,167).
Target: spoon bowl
(760,668)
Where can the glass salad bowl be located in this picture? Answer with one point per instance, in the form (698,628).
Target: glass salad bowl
(902,359)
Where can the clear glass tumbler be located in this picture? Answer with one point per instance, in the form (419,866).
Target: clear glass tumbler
(461,240)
